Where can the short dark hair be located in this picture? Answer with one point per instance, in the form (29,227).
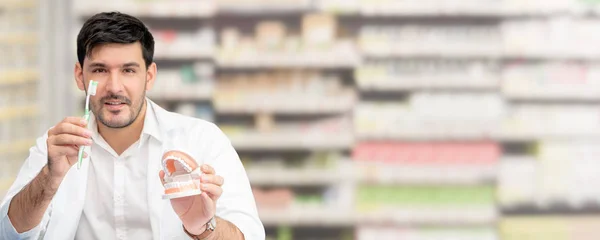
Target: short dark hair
(114,27)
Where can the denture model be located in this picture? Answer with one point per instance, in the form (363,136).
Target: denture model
(182,175)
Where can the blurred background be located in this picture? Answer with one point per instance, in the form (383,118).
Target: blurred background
(357,119)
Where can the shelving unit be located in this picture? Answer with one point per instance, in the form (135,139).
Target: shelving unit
(20,82)
(448,84)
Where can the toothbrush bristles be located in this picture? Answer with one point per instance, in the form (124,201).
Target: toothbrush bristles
(92,88)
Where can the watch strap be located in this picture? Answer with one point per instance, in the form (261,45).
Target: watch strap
(210,228)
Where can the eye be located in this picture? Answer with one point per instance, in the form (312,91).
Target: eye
(128,70)
(99,70)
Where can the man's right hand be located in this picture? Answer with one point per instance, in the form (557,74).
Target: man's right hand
(27,208)
(63,142)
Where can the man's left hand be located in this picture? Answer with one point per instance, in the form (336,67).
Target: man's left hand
(195,211)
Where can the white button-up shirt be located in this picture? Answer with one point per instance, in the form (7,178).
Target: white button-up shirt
(120,197)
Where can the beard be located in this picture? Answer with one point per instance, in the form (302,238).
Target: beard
(121,118)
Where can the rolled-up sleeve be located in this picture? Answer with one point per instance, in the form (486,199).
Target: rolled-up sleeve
(32,166)
(9,231)
(236,204)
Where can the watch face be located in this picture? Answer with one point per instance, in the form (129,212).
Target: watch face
(212,223)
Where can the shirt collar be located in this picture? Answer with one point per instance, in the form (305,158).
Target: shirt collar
(151,126)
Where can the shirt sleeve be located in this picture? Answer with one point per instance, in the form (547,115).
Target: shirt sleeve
(236,204)
(29,170)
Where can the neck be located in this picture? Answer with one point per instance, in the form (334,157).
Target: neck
(119,139)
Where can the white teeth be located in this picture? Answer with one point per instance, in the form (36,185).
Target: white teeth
(185,166)
(179,184)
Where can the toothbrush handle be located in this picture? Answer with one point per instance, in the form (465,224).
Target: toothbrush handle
(80,157)
(81,148)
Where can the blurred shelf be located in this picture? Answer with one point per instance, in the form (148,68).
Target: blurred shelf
(502,136)
(150,9)
(552,97)
(19,39)
(189,56)
(487,13)
(405,174)
(291,141)
(398,85)
(320,60)
(482,10)
(288,177)
(423,136)
(471,54)
(17,4)
(561,209)
(257,8)
(18,112)
(201,93)
(431,53)
(331,217)
(549,56)
(290,63)
(513,136)
(290,104)
(18,76)
(16,146)
(307,216)
(431,216)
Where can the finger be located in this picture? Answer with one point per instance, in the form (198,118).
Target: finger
(206,199)
(79,121)
(67,139)
(214,179)
(72,129)
(207,169)
(64,151)
(161,174)
(212,190)
(73,159)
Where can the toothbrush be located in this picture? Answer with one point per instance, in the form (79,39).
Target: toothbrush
(91,92)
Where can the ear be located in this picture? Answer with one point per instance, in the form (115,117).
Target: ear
(150,76)
(79,76)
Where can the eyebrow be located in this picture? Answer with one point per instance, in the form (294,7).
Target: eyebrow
(92,65)
(129,64)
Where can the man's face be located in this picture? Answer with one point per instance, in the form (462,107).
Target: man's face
(122,79)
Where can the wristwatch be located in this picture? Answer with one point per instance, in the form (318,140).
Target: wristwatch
(210,228)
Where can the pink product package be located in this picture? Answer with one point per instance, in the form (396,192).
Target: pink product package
(428,153)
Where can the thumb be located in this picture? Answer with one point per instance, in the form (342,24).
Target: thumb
(161,174)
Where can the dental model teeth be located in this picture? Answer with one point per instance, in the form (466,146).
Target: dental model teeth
(181,175)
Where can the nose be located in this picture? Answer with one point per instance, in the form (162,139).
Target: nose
(114,83)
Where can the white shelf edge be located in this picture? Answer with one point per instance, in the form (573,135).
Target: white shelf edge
(498,136)
(283,64)
(256,141)
(285,108)
(382,86)
(406,174)
(301,177)
(539,96)
(322,216)
(416,54)
(184,56)
(174,96)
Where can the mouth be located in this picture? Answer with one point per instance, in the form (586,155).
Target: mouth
(114,105)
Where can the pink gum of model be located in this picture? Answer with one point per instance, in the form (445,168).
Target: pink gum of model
(182,175)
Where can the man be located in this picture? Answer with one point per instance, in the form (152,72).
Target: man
(117,193)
